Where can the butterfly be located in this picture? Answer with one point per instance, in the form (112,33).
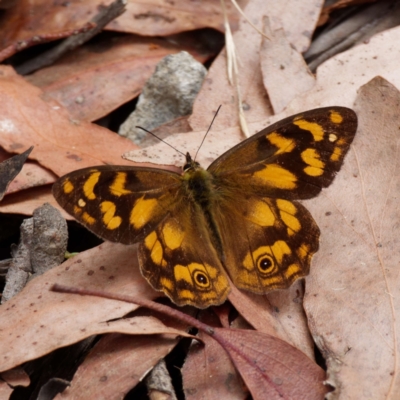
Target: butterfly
(237,218)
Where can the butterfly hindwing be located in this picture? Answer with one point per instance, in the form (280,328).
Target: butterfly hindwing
(291,159)
(271,245)
(120,204)
(178,258)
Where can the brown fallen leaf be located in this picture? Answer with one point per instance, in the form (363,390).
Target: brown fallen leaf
(61,144)
(163,18)
(16,377)
(31,328)
(115,365)
(352,296)
(31,175)
(26,201)
(97,78)
(27,19)
(270,367)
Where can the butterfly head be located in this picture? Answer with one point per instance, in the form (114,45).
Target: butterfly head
(190,164)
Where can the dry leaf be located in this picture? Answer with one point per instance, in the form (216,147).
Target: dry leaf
(208,372)
(282,67)
(271,368)
(16,377)
(26,201)
(298,27)
(31,175)
(5,390)
(352,297)
(32,328)
(61,144)
(97,78)
(10,168)
(339,78)
(280,314)
(115,365)
(28,19)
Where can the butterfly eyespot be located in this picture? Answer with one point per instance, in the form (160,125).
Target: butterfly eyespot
(265,264)
(201,279)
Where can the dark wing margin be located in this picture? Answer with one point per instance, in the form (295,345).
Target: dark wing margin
(120,204)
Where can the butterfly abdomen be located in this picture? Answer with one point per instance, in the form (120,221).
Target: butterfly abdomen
(201,190)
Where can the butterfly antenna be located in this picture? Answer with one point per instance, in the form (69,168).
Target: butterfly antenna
(161,140)
(208,130)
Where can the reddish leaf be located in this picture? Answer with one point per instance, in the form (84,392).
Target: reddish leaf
(61,144)
(208,372)
(270,367)
(352,299)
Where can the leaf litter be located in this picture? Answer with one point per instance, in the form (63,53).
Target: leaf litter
(349,305)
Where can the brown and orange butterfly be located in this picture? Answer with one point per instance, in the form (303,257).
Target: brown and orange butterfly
(239,217)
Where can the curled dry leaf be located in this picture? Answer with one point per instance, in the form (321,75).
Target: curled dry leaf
(339,78)
(10,168)
(31,327)
(41,17)
(16,377)
(352,297)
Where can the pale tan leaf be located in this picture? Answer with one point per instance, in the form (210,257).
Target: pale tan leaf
(285,73)
(339,78)
(352,293)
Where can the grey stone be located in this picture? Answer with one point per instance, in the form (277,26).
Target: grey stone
(168,94)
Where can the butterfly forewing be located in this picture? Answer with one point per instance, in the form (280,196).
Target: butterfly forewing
(291,159)
(120,204)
